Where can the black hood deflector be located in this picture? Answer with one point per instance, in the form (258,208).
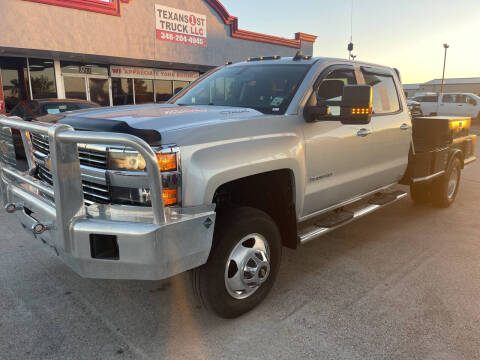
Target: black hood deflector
(152,137)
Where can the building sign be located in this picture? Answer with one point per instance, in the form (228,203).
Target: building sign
(146,73)
(131,72)
(180,26)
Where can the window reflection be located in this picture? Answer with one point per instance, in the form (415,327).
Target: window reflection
(14,81)
(122,91)
(42,76)
(163,90)
(75,87)
(179,85)
(143,91)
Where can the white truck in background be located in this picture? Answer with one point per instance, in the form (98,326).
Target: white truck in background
(450,104)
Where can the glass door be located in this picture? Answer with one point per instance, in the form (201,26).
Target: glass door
(75,87)
(98,90)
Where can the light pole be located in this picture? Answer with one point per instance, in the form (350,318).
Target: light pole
(445,46)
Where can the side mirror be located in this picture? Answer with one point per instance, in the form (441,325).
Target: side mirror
(355,107)
(472,102)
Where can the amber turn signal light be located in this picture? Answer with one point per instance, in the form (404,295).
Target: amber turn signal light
(167,162)
(169,196)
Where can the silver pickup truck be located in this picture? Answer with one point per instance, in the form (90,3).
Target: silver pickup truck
(251,157)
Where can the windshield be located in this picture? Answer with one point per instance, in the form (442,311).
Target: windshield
(266,88)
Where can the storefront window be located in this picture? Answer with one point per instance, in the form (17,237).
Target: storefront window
(163,90)
(143,91)
(69,67)
(42,77)
(179,85)
(122,91)
(75,87)
(14,81)
(99,91)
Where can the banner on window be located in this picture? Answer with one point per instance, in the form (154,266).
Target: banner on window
(131,72)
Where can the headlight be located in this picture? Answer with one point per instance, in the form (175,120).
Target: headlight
(128,160)
(133,161)
(125,160)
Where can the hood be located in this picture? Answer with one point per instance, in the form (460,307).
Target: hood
(153,122)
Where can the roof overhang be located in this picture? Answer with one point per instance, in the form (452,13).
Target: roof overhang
(237,33)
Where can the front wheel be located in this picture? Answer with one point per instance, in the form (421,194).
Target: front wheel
(243,264)
(445,189)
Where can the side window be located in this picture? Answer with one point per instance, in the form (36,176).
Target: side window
(461,99)
(331,88)
(471,100)
(385,96)
(432,98)
(449,98)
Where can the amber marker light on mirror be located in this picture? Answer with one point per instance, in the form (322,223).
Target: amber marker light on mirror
(361,111)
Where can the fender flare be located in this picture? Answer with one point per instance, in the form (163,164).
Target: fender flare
(453,154)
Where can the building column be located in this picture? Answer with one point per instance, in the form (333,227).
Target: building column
(59,79)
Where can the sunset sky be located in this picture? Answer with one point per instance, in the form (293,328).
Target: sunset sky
(405,34)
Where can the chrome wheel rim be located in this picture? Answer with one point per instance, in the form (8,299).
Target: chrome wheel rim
(452,182)
(248,266)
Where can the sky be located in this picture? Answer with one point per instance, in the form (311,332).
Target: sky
(406,34)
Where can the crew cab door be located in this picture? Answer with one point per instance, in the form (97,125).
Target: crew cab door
(447,105)
(466,105)
(428,104)
(339,158)
(392,126)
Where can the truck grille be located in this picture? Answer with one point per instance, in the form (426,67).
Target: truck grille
(92,192)
(88,157)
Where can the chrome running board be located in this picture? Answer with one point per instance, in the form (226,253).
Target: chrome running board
(315,228)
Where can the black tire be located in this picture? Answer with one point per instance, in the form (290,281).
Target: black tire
(420,193)
(209,281)
(442,193)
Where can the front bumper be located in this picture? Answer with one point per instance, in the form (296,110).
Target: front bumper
(152,243)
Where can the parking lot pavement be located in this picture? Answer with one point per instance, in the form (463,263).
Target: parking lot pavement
(403,283)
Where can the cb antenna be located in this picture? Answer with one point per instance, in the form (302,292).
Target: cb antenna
(350,44)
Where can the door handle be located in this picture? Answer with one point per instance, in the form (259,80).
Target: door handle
(364,132)
(404,127)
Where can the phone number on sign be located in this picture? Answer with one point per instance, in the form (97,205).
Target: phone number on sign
(180,38)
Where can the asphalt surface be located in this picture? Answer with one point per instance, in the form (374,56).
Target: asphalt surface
(402,283)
